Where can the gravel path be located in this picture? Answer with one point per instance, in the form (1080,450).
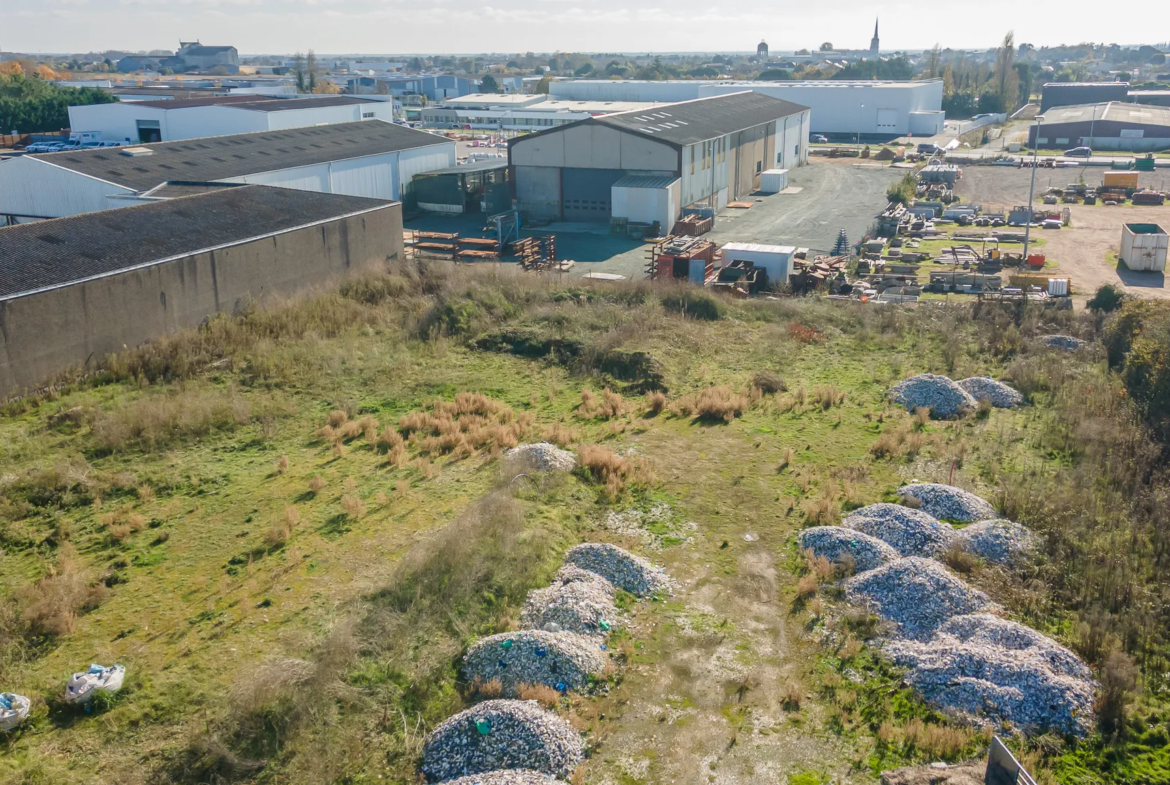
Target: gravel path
(578,601)
(501,734)
(998,394)
(940,394)
(564,660)
(910,532)
(918,595)
(620,567)
(540,457)
(981,667)
(836,543)
(997,541)
(947,502)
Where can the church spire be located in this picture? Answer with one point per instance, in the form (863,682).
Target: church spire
(874,45)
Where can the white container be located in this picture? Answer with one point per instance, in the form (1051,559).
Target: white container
(1058,287)
(773,181)
(1143,246)
(775,260)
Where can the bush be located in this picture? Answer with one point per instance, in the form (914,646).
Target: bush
(655,403)
(694,304)
(612,471)
(713,404)
(1118,679)
(1107,299)
(769,383)
(50,606)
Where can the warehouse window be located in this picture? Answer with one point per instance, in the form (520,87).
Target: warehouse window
(367,115)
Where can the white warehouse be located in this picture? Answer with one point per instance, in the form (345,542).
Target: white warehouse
(168,121)
(705,152)
(370,159)
(875,108)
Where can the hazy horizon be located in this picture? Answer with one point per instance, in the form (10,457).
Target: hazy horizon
(258,27)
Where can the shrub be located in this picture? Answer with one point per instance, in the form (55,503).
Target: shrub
(155,421)
(560,435)
(145,493)
(1107,299)
(389,440)
(317,484)
(50,606)
(801,334)
(694,304)
(282,464)
(714,404)
(541,693)
(611,405)
(828,396)
(769,383)
(353,506)
(822,511)
(337,418)
(1118,679)
(612,471)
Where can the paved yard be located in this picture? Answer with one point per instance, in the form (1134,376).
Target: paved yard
(1081,250)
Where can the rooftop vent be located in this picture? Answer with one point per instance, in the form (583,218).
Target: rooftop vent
(136,152)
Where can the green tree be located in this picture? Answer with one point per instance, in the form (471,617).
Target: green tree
(1007,78)
(584,70)
(298,69)
(489,84)
(30,104)
(542,85)
(826,47)
(311,71)
(774,75)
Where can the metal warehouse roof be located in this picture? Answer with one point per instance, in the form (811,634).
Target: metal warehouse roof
(63,251)
(221,157)
(703,118)
(258,103)
(645,181)
(1113,111)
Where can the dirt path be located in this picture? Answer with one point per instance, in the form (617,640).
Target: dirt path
(704,698)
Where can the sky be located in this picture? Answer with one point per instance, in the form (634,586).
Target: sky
(461,26)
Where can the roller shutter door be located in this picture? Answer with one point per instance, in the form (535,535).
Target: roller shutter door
(586,193)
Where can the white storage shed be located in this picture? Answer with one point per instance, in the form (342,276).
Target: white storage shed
(646,199)
(773,181)
(1143,246)
(775,260)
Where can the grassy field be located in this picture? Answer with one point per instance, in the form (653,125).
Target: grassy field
(258,522)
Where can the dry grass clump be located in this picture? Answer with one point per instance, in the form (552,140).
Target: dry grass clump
(824,510)
(120,525)
(317,484)
(50,606)
(541,693)
(655,403)
(609,406)
(714,404)
(281,530)
(469,424)
(481,689)
(807,585)
(934,741)
(560,434)
(801,334)
(959,560)
(145,493)
(902,441)
(158,420)
(353,506)
(791,695)
(337,418)
(827,396)
(613,471)
(282,464)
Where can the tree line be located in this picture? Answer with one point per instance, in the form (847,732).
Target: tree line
(29,104)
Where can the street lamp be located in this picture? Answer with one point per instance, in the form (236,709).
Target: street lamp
(1032,187)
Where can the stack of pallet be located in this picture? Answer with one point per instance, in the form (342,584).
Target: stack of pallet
(476,249)
(539,254)
(673,257)
(435,243)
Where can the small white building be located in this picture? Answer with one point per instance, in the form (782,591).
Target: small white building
(1144,247)
(775,260)
(371,159)
(172,120)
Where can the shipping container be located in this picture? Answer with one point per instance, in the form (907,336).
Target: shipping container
(1121,179)
(1143,246)
(775,260)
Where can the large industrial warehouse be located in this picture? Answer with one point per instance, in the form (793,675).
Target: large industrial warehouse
(705,152)
(373,159)
(878,110)
(168,121)
(1108,126)
(75,289)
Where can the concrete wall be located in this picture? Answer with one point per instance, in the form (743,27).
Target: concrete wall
(61,329)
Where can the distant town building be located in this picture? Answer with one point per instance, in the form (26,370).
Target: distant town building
(874,43)
(762,50)
(195,55)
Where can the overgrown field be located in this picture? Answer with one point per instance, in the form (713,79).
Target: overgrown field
(288,526)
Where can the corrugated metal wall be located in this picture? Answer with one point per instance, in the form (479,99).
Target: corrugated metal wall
(538,191)
(29,187)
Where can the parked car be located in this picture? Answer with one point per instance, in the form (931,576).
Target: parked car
(43,147)
(1079,152)
(819,139)
(930,148)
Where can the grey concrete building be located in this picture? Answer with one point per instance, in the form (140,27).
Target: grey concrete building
(716,148)
(73,290)
(1108,126)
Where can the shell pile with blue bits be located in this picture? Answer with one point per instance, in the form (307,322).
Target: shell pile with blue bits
(516,742)
(947,399)
(961,657)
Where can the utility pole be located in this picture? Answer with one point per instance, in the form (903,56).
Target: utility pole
(1032,187)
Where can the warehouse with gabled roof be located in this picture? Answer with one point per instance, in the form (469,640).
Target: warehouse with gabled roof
(371,159)
(715,148)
